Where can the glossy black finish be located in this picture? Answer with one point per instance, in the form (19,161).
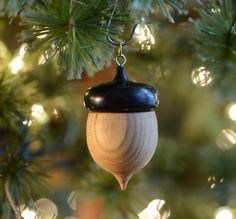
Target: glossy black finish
(121,95)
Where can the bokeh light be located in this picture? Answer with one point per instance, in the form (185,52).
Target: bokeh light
(47,209)
(156,209)
(43,58)
(29,214)
(22,50)
(224,213)
(226,139)
(38,112)
(232,111)
(27,122)
(201,77)
(213,181)
(144,36)
(18,63)
(72,200)
(42,36)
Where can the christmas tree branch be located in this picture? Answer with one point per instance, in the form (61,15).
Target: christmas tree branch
(10,198)
(215,35)
(73,32)
(164,6)
(18,166)
(175,4)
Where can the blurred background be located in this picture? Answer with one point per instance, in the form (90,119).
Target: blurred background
(193,172)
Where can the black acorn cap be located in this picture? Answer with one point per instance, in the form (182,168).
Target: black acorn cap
(121,95)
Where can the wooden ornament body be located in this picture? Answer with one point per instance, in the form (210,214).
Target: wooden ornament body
(122,143)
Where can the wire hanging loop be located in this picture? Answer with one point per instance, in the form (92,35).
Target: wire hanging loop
(120,55)
(125,42)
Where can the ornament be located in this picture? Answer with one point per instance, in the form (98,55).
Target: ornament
(122,130)
(201,77)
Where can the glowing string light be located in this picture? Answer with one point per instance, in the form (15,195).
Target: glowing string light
(224,213)
(27,123)
(47,209)
(17,63)
(38,112)
(144,36)
(226,139)
(42,36)
(29,214)
(232,112)
(201,77)
(156,209)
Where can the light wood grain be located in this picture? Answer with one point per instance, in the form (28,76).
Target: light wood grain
(122,143)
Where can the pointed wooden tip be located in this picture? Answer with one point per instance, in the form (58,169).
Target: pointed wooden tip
(123,181)
(123,185)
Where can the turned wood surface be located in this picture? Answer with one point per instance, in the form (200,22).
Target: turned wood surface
(122,143)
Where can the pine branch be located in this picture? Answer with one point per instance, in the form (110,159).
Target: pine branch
(215,34)
(174,4)
(164,6)
(10,199)
(98,183)
(73,32)
(17,95)
(12,8)
(19,172)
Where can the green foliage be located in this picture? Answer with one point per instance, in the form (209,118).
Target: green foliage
(13,7)
(165,7)
(16,95)
(25,178)
(188,132)
(24,174)
(215,35)
(74,31)
(98,183)
(175,4)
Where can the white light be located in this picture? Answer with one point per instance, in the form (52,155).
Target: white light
(37,111)
(214,11)
(28,214)
(72,200)
(22,50)
(232,112)
(155,210)
(144,36)
(231,136)
(224,213)
(201,76)
(42,36)
(226,139)
(56,113)
(16,64)
(27,123)
(43,58)
(47,209)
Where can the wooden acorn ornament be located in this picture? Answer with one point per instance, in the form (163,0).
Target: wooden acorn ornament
(122,129)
